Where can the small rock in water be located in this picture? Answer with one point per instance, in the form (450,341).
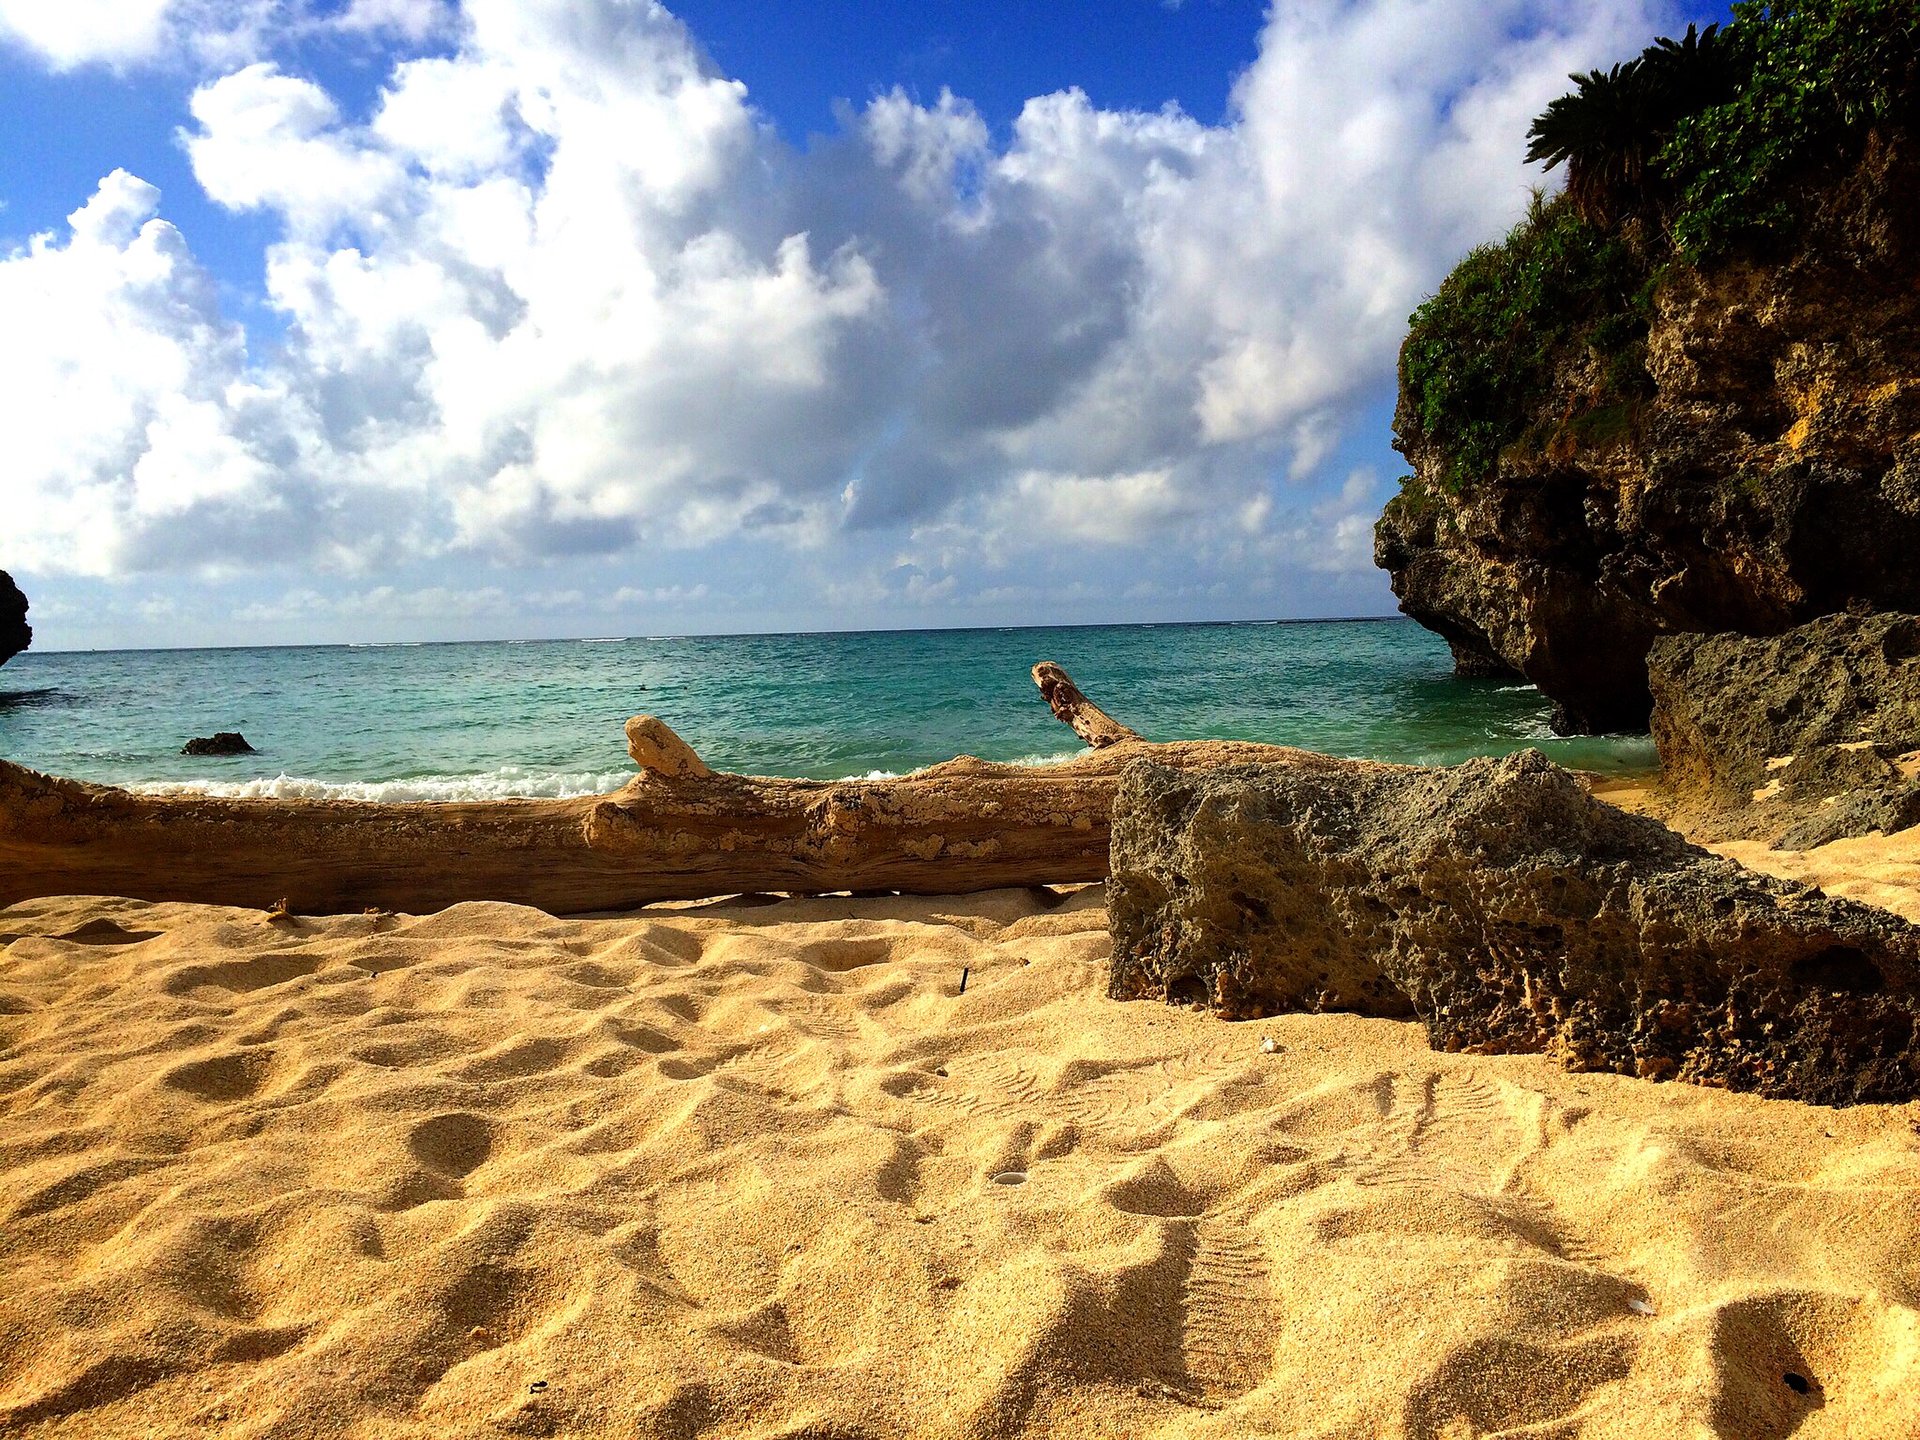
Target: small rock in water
(225,742)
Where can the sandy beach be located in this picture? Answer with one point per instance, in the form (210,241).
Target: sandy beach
(762,1170)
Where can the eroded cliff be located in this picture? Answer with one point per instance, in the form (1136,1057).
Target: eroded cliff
(1685,394)
(1767,472)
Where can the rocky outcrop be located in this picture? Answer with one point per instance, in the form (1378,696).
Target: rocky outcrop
(1768,473)
(1510,911)
(15,634)
(226,742)
(1810,735)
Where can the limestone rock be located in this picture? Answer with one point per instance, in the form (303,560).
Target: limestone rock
(15,634)
(1510,911)
(1815,731)
(226,742)
(1772,474)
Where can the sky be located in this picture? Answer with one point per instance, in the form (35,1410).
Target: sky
(327,320)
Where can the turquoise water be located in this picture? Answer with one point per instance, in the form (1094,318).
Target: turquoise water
(545,717)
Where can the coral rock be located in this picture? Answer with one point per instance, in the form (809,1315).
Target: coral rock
(1772,474)
(1510,911)
(226,742)
(1815,732)
(15,634)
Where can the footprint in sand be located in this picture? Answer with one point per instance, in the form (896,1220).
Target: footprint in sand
(106,932)
(222,1079)
(453,1145)
(1227,1313)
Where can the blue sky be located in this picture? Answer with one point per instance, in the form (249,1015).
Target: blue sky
(396,319)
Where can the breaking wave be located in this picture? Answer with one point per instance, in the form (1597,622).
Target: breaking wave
(509,782)
(1030,760)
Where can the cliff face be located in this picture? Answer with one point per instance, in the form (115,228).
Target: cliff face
(1769,473)
(15,633)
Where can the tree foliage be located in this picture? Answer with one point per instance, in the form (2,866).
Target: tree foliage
(1707,133)
(1814,77)
(1611,128)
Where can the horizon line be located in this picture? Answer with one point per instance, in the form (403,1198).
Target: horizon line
(701,635)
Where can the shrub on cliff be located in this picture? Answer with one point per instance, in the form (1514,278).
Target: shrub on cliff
(1814,77)
(1481,353)
(1688,154)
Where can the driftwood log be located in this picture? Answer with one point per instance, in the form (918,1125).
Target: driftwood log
(1070,707)
(677,831)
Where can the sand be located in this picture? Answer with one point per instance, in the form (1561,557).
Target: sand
(731,1171)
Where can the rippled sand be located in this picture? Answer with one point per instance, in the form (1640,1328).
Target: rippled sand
(731,1171)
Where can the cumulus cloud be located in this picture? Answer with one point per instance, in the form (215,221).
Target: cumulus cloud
(563,291)
(67,34)
(78,31)
(112,390)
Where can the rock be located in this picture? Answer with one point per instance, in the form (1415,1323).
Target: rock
(1770,473)
(226,742)
(1815,731)
(15,634)
(654,747)
(1846,816)
(1510,911)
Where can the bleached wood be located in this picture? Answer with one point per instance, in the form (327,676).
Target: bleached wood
(677,831)
(1071,707)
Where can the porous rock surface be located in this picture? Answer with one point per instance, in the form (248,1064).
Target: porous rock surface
(1772,475)
(1510,911)
(15,634)
(1807,736)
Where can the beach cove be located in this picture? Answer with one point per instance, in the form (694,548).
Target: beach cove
(526,910)
(898,1165)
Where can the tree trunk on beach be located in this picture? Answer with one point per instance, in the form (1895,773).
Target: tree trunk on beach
(675,832)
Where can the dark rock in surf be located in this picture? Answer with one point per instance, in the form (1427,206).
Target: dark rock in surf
(1510,911)
(226,742)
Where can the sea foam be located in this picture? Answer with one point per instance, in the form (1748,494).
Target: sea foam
(509,782)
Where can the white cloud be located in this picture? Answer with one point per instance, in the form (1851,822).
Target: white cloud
(565,292)
(269,141)
(67,34)
(73,32)
(117,352)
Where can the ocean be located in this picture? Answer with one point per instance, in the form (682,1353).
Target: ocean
(484,720)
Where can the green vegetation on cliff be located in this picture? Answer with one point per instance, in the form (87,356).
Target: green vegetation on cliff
(1482,352)
(1692,153)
